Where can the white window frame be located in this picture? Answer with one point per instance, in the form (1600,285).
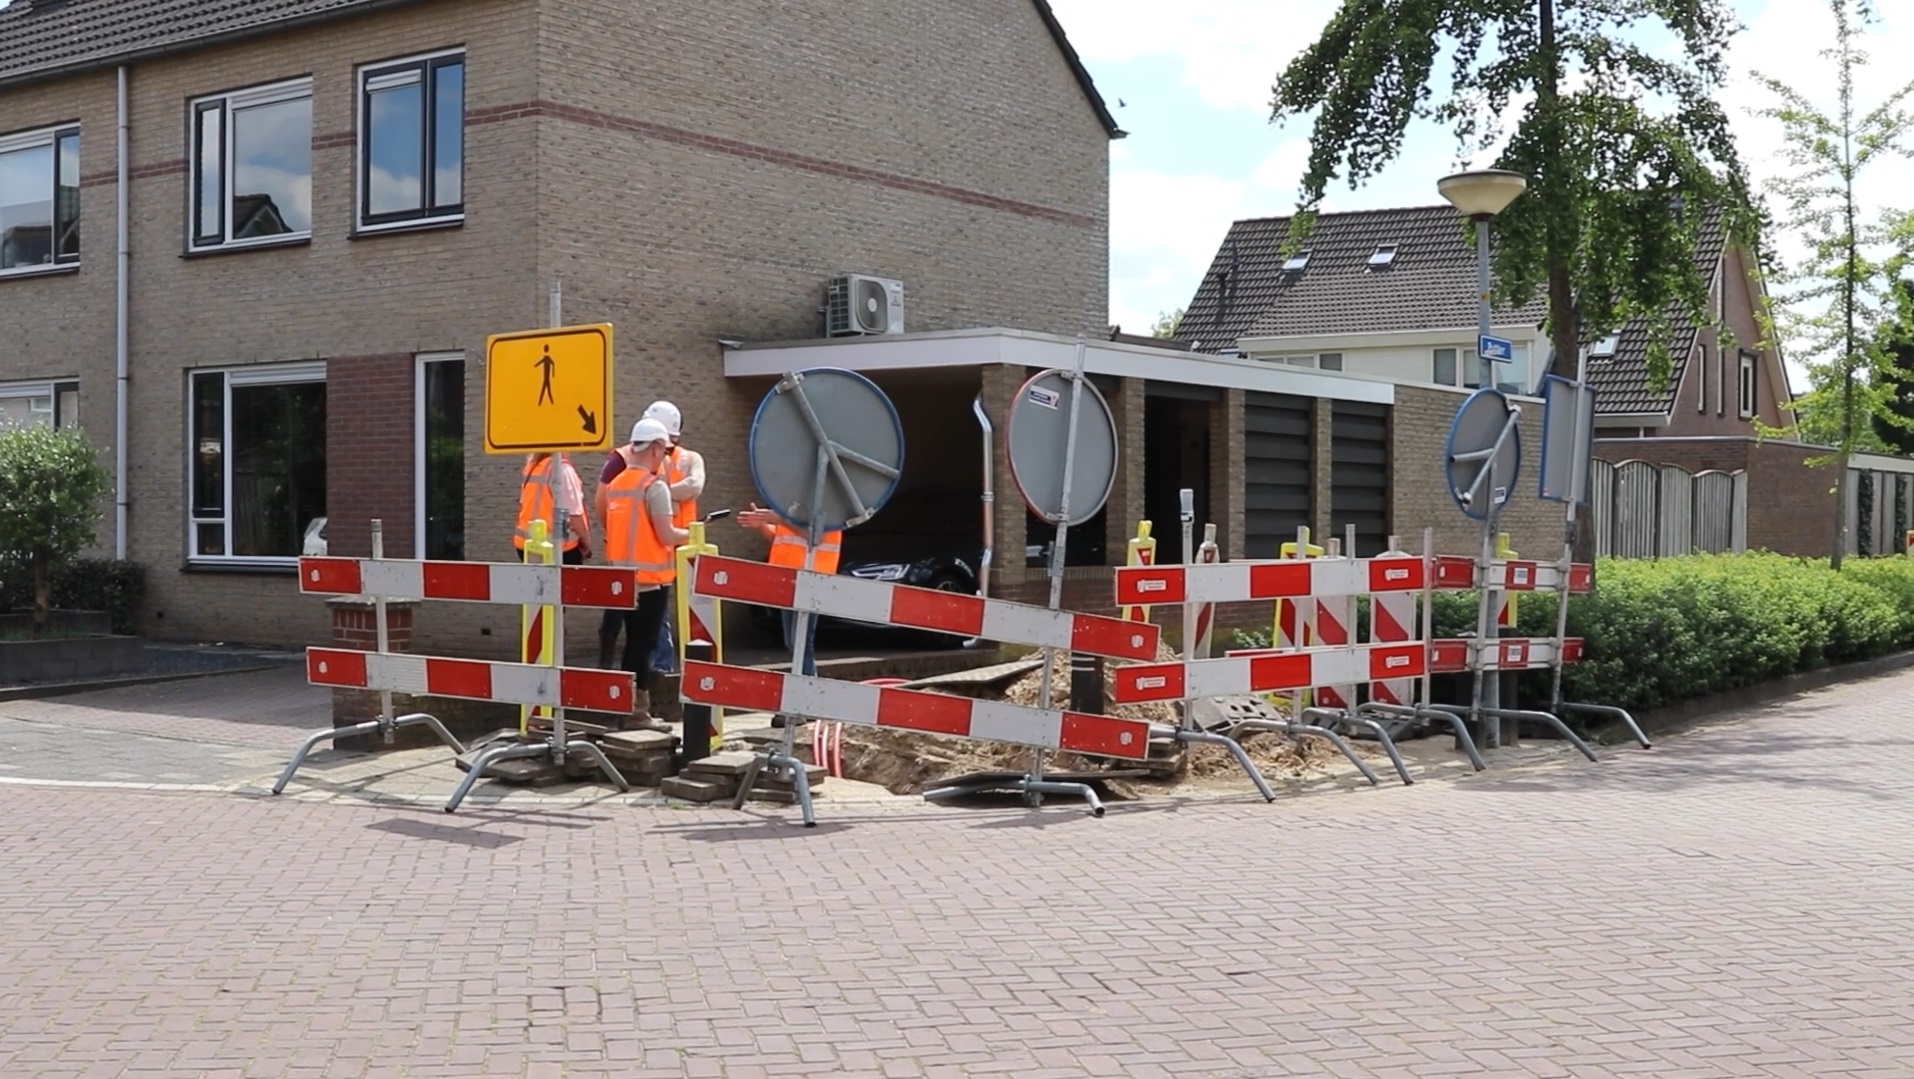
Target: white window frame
(273,93)
(1458,366)
(1745,395)
(33,140)
(48,390)
(362,78)
(269,374)
(418,441)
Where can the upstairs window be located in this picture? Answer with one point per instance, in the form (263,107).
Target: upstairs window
(1747,385)
(39,200)
(1604,349)
(412,142)
(1384,257)
(251,165)
(1296,262)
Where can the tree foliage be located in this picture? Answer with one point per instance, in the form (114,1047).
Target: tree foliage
(1625,148)
(1895,427)
(1166,324)
(51,488)
(1840,303)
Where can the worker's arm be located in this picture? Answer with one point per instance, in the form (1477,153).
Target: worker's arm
(693,484)
(658,505)
(762,520)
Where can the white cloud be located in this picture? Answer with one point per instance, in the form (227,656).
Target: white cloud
(1230,50)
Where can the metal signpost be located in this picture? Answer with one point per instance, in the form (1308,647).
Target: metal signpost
(1063,456)
(826,450)
(1484,455)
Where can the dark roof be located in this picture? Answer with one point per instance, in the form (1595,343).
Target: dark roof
(1429,285)
(38,40)
(1149,340)
(1621,383)
(1076,68)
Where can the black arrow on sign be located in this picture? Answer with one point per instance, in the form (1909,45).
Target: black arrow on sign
(590,418)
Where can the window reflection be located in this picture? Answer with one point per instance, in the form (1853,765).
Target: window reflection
(448,133)
(26,207)
(272,169)
(413,141)
(397,145)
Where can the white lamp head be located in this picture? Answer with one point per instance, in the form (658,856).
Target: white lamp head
(1483,192)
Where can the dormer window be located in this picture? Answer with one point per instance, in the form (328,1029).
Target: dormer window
(1383,257)
(1605,348)
(1296,262)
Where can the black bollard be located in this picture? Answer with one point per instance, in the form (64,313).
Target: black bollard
(697,736)
(1086,684)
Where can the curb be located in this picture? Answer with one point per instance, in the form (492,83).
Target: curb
(67,689)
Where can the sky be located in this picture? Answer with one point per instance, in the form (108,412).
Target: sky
(1190,82)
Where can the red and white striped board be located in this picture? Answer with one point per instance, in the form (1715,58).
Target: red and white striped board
(471,679)
(923,608)
(1227,582)
(472,582)
(1392,620)
(1336,628)
(1262,670)
(864,705)
(1206,555)
(1510,654)
(1509,575)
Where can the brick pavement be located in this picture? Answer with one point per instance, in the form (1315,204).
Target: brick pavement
(1728,904)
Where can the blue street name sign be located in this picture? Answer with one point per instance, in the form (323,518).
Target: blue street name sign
(1495,348)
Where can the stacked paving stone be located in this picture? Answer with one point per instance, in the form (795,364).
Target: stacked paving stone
(717,778)
(642,757)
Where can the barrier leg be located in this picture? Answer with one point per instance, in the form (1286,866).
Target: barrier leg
(591,750)
(486,760)
(1382,736)
(1549,718)
(1634,728)
(1235,749)
(372,726)
(1298,727)
(1459,722)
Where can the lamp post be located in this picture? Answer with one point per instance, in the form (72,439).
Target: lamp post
(1480,195)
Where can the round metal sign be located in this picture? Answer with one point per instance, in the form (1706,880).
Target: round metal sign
(826,448)
(1039,438)
(1478,424)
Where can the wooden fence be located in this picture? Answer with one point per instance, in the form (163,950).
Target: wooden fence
(1643,510)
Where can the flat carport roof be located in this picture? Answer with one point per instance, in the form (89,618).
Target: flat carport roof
(1024,348)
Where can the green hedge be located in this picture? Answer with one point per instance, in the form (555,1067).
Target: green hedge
(86,584)
(1663,631)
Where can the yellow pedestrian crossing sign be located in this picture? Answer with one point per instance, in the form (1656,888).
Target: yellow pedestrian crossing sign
(548,391)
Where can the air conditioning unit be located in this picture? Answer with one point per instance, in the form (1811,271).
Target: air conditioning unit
(856,304)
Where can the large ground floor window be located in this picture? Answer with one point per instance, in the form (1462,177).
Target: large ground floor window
(257,443)
(440,480)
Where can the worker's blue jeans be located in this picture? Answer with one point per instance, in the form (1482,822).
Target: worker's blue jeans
(809,666)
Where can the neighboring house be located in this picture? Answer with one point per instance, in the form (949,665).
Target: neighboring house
(275,304)
(1392,294)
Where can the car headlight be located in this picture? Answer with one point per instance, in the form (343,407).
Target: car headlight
(893,572)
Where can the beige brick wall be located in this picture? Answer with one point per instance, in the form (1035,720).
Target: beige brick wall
(1419,487)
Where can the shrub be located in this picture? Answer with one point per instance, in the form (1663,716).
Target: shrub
(51,488)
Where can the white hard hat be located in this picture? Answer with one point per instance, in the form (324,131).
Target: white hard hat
(647,431)
(666,413)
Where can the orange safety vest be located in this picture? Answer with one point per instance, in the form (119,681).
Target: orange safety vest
(788,549)
(682,513)
(535,504)
(630,539)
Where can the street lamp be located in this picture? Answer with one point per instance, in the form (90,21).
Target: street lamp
(1480,195)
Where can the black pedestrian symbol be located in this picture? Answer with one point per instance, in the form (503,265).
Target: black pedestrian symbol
(545,365)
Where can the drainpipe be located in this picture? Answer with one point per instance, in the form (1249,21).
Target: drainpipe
(123,260)
(983,564)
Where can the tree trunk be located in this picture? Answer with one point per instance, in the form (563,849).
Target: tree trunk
(42,594)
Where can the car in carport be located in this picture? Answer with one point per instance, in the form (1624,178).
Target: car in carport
(930,537)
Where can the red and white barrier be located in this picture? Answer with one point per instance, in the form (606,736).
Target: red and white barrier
(923,608)
(1228,582)
(1263,670)
(864,705)
(1392,620)
(1458,572)
(1335,628)
(1509,654)
(471,679)
(471,582)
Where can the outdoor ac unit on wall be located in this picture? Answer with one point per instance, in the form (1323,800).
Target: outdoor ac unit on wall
(856,304)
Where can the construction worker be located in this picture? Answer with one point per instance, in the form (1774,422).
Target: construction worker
(684,472)
(636,509)
(792,548)
(572,532)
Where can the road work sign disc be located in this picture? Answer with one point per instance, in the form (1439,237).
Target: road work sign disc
(1478,423)
(1039,438)
(854,425)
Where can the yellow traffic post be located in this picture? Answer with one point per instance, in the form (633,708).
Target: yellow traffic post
(535,622)
(1505,615)
(1139,551)
(700,637)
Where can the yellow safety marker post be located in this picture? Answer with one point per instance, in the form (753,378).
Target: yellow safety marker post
(1139,551)
(700,638)
(1505,614)
(536,622)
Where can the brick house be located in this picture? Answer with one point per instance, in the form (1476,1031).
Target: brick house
(254,247)
(1391,294)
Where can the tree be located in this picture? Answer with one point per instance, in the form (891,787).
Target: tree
(51,489)
(1897,339)
(1166,324)
(1840,302)
(1604,227)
